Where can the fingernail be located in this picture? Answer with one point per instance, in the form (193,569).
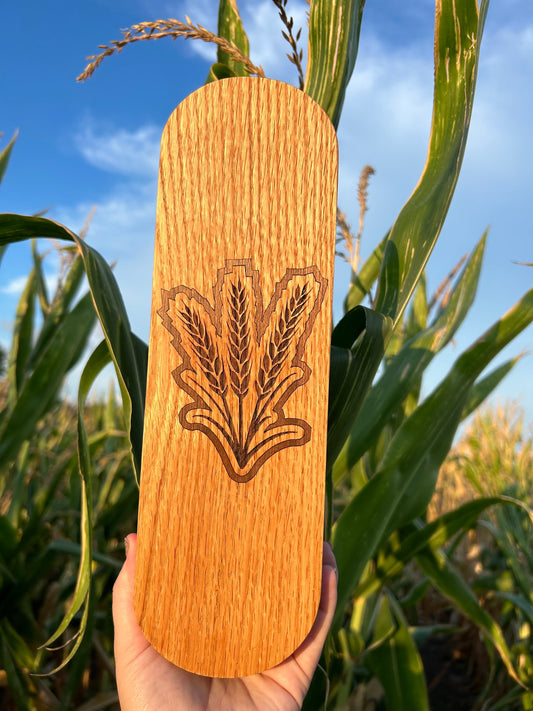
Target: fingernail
(126,545)
(335,571)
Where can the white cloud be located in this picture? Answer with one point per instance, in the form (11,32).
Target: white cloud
(122,230)
(16,286)
(385,123)
(131,153)
(120,220)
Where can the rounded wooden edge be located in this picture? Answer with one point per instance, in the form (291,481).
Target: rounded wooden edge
(231,84)
(246,671)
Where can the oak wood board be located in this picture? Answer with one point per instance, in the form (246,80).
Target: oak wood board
(228,571)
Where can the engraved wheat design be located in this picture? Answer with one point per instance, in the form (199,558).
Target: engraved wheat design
(274,357)
(206,351)
(278,347)
(239,358)
(239,340)
(241,363)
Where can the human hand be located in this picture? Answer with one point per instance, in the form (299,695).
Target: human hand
(147,681)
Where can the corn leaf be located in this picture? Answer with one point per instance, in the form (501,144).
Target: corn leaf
(59,308)
(334,27)
(4,161)
(417,319)
(406,480)
(517,698)
(434,534)
(74,549)
(129,353)
(42,291)
(397,663)
(81,598)
(439,570)
(405,370)
(18,646)
(5,156)
(444,409)
(458,30)
(518,601)
(18,685)
(21,341)
(219,71)
(230,27)
(41,387)
(484,386)
(365,278)
(358,343)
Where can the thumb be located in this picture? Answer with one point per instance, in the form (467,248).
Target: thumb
(129,639)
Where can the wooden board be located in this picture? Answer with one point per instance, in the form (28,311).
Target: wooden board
(231,508)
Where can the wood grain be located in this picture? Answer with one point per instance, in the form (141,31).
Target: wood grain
(230,529)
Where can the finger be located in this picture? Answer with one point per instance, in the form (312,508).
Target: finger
(308,654)
(328,557)
(296,671)
(129,639)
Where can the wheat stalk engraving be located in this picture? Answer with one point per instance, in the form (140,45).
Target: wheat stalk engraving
(241,362)
(239,341)
(278,347)
(205,349)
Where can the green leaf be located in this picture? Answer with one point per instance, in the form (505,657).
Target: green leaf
(17,683)
(81,598)
(484,386)
(219,71)
(21,342)
(5,156)
(230,27)
(434,534)
(397,663)
(518,601)
(74,549)
(406,480)
(60,306)
(406,368)
(418,313)
(458,31)
(334,27)
(363,281)
(8,535)
(422,443)
(42,291)
(439,570)
(512,699)
(19,488)
(42,386)
(20,650)
(358,343)
(128,352)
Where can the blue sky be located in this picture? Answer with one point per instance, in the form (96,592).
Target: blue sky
(96,144)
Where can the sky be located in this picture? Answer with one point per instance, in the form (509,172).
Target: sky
(96,144)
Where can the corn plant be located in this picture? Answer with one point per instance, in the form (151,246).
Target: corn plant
(40,487)
(494,457)
(40,493)
(385,444)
